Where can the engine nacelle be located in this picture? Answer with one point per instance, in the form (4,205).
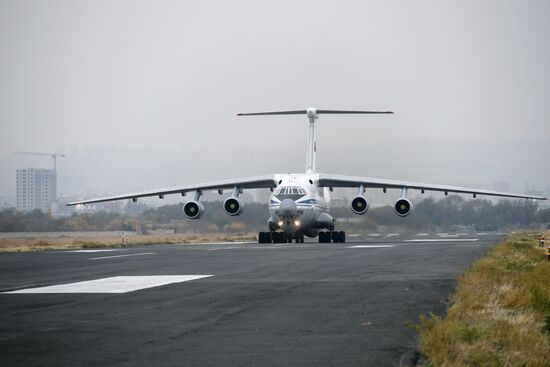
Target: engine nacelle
(403,207)
(233,206)
(359,205)
(193,209)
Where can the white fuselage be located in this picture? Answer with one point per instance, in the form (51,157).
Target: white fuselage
(298,204)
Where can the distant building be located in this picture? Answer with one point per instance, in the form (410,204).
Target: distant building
(36,189)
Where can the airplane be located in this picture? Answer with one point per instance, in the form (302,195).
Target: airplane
(300,202)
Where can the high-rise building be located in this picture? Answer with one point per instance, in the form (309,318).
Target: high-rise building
(36,189)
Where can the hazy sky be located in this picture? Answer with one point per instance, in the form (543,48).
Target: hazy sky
(468,81)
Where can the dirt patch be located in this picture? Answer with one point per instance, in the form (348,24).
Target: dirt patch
(66,241)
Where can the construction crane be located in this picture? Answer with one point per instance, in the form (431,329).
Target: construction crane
(53,155)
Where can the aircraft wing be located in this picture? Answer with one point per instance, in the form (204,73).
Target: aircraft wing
(327,180)
(257,182)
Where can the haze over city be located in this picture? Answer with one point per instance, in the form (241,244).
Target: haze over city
(141,95)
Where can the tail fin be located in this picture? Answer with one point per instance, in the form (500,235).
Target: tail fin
(312,113)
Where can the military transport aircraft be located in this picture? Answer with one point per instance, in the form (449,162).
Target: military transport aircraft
(299,203)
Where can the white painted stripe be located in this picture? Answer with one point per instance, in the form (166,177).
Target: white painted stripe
(443,240)
(225,243)
(369,246)
(374,234)
(120,284)
(392,235)
(421,234)
(112,257)
(90,251)
(353,235)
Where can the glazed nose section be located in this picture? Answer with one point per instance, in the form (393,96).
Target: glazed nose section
(288,208)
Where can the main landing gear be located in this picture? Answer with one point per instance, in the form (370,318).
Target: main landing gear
(280,237)
(333,236)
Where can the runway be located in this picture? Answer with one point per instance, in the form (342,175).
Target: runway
(230,304)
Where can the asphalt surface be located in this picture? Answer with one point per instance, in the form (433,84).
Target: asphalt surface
(264,305)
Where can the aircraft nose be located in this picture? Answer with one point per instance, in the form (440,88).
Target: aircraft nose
(288,208)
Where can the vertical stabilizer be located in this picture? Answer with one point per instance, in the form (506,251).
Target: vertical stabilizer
(311,154)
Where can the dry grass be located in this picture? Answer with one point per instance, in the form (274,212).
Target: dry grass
(499,314)
(64,242)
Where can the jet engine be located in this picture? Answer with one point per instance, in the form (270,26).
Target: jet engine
(359,205)
(403,207)
(233,206)
(193,209)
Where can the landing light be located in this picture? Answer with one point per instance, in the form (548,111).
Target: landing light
(297,223)
(280,223)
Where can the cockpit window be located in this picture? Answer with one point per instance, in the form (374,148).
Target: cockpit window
(289,192)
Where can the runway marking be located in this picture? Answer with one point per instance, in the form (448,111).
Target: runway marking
(120,284)
(225,243)
(112,257)
(369,246)
(89,251)
(392,235)
(443,240)
(353,235)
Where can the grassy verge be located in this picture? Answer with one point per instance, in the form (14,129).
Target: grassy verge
(499,314)
(64,243)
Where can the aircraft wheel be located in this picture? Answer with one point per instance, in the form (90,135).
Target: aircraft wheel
(301,238)
(261,237)
(342,236)
(335,236)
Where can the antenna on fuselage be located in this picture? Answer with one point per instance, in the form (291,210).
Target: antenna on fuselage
(312,114)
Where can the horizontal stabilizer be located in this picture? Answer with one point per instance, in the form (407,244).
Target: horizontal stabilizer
(298,112)
(314,110)
(350,112)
